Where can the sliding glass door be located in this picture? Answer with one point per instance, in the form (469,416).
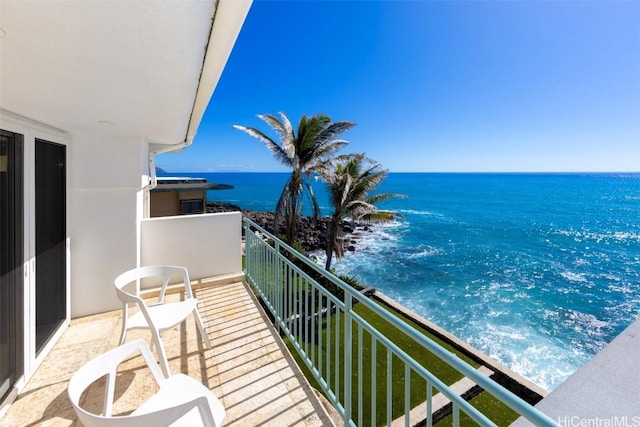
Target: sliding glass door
(33,249)
(11,259)
(51,232)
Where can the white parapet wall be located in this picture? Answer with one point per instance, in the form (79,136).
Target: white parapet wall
(208,245)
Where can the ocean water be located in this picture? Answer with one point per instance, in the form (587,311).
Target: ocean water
(539,271)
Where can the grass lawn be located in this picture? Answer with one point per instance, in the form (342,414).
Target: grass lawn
(488,405)
(325,347)
(497,411)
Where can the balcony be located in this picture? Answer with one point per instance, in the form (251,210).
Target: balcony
(248,368)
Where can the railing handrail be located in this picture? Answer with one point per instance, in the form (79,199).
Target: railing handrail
(510,399)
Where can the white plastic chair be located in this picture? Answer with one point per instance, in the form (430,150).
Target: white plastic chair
(180,401)
(159,316)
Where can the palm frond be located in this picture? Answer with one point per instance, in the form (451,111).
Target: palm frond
(314,200)
(334,129)
(269,143)
(306,151)
(284,130)
(326,149)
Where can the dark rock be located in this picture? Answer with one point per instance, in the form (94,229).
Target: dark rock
(216,207)
(312,233)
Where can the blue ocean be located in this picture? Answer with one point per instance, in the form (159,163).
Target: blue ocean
(538,271)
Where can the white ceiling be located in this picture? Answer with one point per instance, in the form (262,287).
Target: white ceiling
(113,66)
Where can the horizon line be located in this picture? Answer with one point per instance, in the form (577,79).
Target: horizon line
(605,172)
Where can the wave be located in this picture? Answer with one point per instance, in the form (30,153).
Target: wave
(422,252)
(573,277)
(542,359)
(418,212)
(600,237)
(585,321)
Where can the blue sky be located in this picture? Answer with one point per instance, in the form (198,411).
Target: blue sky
(460,86)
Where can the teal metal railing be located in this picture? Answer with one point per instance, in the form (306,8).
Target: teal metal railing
(367,377)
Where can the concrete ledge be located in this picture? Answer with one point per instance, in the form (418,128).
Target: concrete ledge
(604,392)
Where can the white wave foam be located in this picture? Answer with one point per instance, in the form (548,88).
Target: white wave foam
(573,277)
(370,246)
(424,252)
(418,212)
(624,288)
(618,236)
(625,235)
(539,358)
(389,225)
(586,321)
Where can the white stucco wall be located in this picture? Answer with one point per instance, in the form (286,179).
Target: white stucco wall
(104,187)
(207,245)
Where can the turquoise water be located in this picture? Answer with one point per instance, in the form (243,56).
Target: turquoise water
(539,271)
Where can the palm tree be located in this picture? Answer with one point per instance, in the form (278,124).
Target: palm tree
(349,181)
(305,152)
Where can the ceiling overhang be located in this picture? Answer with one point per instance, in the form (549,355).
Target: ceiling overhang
(129,68)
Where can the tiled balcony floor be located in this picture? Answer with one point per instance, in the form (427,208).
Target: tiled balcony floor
(248,367)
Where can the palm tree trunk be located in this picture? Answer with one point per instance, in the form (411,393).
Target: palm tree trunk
(332,241)
(327,265)
(292,221)
(292,211)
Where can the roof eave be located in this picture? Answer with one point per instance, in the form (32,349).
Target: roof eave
(226,25)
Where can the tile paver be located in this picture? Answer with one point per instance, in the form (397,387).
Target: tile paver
(248,367)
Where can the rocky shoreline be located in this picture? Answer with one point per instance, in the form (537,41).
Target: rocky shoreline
(312,234)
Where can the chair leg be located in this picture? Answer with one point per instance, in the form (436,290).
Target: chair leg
(203,332)
(123,333)
(125,316)
(162,355)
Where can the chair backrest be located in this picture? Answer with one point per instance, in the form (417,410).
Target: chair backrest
(107,365)
(165,411)
(132,278)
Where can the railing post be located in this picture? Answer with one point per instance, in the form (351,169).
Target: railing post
(247,249)
(279,286)
(348,354)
